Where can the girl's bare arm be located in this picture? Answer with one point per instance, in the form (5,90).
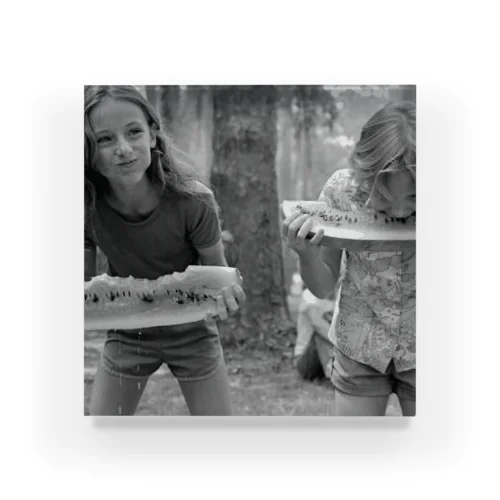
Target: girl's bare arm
(90,262)
(320,272)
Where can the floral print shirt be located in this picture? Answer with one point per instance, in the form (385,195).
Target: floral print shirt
(374,319)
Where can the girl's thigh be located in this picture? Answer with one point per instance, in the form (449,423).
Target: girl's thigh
(360,389)
(348,405)
(209,396)
(126,364)
(194,355)
(405,387)
(115,394)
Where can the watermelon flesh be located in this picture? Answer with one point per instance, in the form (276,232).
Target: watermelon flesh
(130,303)
(357,230)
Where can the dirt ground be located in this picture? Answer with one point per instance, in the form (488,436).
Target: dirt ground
(262,383)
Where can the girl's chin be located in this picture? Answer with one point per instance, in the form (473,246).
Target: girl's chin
(128,178)
(404,216)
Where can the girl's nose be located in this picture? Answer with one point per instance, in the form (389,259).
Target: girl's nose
(122,146)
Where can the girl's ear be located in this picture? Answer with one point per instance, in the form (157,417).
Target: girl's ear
(152,135)
(153,129)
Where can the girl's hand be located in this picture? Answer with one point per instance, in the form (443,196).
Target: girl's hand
(295,229)
(229,301)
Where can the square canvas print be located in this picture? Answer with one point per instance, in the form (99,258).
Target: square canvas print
(250,250)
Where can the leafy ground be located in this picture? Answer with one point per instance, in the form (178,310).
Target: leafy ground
(263,382)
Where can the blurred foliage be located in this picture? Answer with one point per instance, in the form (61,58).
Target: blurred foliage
(317,128)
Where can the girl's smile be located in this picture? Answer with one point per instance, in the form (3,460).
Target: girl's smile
(127,164)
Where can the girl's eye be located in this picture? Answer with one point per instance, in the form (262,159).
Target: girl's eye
(380,200)
(381,204)
(136,131)
(103,139)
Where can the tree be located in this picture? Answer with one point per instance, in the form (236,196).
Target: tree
(306,115)
(187,113)
(409,93)
(244,178)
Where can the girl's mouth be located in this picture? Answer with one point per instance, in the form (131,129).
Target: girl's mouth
(127,164)
(399,216)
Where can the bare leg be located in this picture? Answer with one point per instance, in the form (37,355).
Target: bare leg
(406,391)
(407,407)
(115,395)
(210,396)
(363,406)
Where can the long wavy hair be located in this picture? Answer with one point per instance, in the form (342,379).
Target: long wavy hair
(387,144)
(164,169)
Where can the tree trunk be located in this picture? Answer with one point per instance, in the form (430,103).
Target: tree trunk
(188,116)
(286,185)
(198,122)
(244,177)
(300,171)
(308,163)
(153,94)
(285,144)
(409,93)
(284,154)
(169,106)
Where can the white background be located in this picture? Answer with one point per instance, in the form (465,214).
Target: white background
(51,49)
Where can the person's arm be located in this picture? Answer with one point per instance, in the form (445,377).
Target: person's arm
(90,261)
(212,255)
(319,266)
(321,273)
(232,297)
(204,228)
(320,270)
(90,252)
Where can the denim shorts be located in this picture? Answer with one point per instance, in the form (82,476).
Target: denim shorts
(191,351)
(358,379)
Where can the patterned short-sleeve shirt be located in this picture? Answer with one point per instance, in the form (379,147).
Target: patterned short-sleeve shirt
(374,320)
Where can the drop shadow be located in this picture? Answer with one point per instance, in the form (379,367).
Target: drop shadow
(262,423)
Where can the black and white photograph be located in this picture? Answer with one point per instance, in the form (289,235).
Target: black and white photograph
(250,250)
(240,199)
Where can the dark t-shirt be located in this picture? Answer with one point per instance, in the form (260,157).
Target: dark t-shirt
(163,243)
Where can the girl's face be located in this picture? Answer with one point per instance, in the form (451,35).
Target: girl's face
(124,141)
(395,194)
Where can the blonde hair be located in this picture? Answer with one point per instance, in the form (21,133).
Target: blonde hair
(387,144)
